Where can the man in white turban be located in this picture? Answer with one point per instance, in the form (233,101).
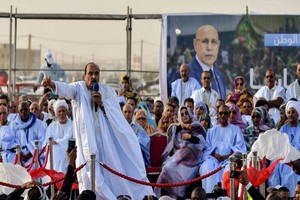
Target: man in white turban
(61,131)
(283,174)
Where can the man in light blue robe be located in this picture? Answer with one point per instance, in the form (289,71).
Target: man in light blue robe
(7,137)
(28,129)
(101,129)
(223,140)
(283,174)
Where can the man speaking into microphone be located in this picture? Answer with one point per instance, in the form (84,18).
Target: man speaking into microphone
(105,133)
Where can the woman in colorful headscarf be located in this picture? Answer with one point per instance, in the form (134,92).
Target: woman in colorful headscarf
(199,109)
(127,90)
(205,121)
(164,123)
(169,110)
(142,119)
(261,124)
(183,153)
(235,117)
(143,105)
(240,93)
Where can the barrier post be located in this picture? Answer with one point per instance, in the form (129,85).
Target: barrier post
(232,167)
(254,159)
(18,152)
(262,187)
(51,163)
(36,148)
(93,172)
(245,197)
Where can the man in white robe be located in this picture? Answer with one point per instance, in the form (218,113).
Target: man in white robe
(61,131)
(293,90)
(101,129)
(223,140)
(183,88)
(273,94)
(206,94)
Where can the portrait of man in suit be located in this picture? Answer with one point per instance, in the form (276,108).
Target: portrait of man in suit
(206,45)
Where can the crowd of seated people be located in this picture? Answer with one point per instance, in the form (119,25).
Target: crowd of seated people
(202,132)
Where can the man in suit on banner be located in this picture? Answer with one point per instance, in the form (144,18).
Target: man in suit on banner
(206,45)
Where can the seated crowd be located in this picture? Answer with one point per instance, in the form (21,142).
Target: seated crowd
(203,131)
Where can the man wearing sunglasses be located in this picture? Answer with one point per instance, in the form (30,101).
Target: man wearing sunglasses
(223,140)
(206,94)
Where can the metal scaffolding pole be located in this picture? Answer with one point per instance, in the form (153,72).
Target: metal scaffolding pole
(15,60)
(128,49)
(10,52)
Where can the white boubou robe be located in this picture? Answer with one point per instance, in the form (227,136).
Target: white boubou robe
(110,138)
(61,133)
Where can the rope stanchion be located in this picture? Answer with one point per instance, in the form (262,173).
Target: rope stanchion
(16,159)
(18,155)
(50,143)
(231,180)
(161,184)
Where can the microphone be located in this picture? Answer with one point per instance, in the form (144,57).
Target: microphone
(95,89)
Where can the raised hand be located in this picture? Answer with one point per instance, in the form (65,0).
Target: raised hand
(47,82)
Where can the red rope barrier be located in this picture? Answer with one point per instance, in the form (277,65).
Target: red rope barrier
(161,184)
(47,154)
(43,149)
(9,185)
(32,160)
(45,184)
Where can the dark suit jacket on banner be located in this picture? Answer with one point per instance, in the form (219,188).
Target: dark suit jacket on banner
(196,71)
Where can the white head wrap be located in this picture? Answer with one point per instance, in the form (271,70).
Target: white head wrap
(59,103)
(51,102)
(293,104)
